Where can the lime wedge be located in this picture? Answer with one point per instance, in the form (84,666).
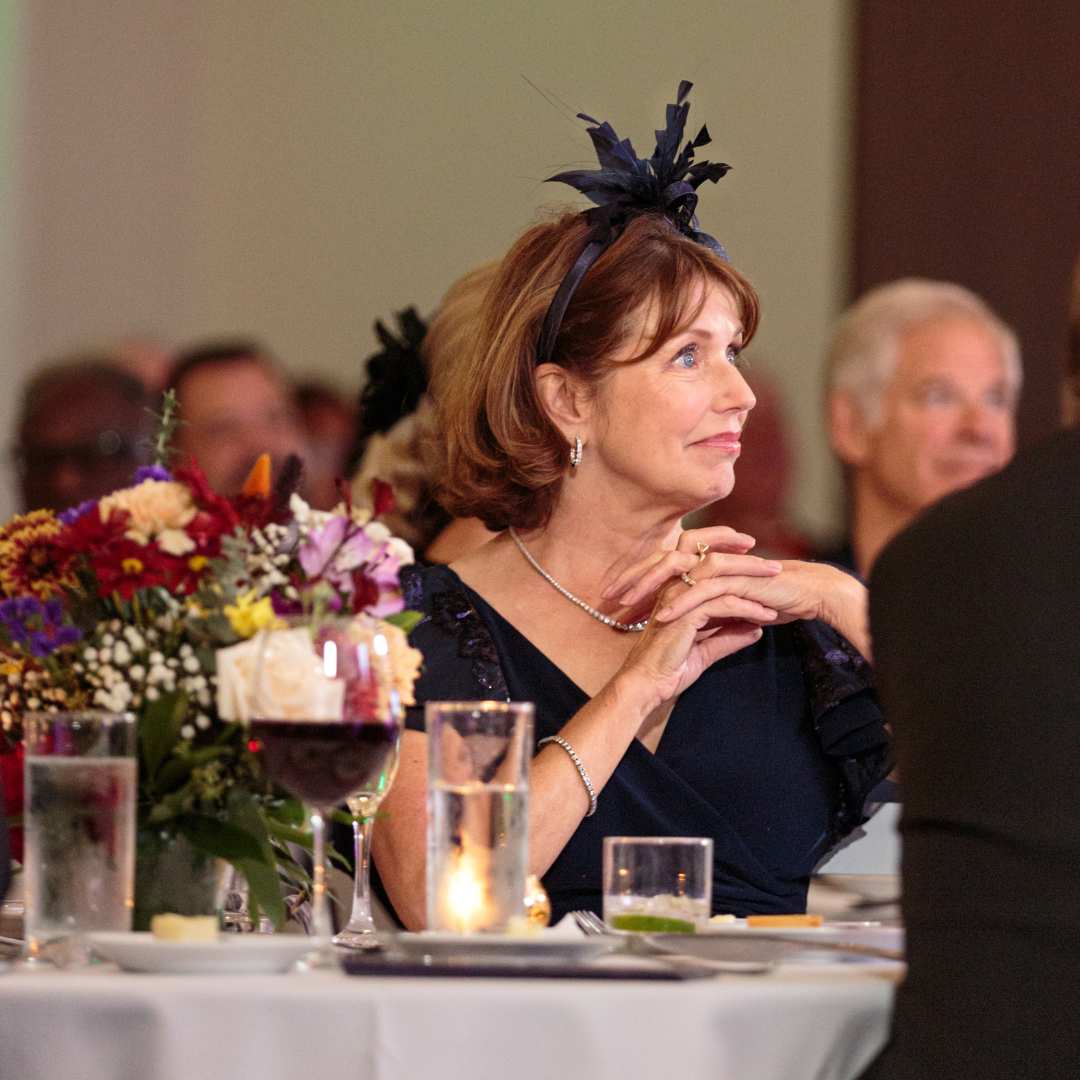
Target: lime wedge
(653,924)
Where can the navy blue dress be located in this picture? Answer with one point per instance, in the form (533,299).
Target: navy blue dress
(771,752)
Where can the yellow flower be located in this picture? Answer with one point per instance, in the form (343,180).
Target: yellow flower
(248,616)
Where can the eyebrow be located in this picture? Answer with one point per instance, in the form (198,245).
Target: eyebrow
(700,331)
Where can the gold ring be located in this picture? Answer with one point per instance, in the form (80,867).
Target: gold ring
(688,580)
(702,551)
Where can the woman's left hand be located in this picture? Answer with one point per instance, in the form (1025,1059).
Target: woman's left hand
(802,590)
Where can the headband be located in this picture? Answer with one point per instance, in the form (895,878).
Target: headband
(625,187)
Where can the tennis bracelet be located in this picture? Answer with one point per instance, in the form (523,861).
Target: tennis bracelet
(560,741)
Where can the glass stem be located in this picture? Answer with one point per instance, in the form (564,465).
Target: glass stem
(360,919)
(321,924)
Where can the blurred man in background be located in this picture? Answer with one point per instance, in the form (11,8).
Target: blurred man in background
(923,381)
(83,428)
(148,360)
(975,614)
(329,424)
(234,406)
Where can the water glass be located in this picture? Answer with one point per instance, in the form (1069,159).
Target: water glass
(478,821)
(657,883)
(81,791)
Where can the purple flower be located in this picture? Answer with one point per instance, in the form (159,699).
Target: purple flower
(151,472)
(27,607)
(334,551)
(38,628)
(73,513)
(67,635)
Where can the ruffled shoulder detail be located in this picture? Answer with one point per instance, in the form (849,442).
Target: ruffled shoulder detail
(846,717)
(452,626)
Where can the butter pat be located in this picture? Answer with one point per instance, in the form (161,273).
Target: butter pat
(184,927)
(783,921)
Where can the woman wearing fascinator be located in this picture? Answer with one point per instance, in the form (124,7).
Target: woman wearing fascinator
(683,686)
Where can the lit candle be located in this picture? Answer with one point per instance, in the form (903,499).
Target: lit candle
(466,898)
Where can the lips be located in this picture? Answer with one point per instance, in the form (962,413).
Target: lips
(727,441)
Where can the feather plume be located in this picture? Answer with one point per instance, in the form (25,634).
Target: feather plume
(667,182)
(626,186)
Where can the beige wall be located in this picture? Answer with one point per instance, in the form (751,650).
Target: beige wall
(296,169)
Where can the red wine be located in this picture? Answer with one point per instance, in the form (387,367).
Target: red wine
(322,762)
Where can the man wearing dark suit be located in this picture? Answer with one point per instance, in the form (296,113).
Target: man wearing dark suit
(975,615)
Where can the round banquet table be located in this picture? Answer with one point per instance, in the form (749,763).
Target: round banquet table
(825,1024)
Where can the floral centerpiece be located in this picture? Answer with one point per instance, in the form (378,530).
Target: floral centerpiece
(133,603)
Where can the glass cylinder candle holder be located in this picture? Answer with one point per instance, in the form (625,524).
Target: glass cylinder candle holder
(478,820)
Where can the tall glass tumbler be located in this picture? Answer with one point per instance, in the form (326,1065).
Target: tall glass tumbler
(478,819)
(81,790)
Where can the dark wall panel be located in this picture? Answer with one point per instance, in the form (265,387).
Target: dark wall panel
(968,163)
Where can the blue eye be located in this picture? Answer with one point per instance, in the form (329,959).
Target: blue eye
(686,358)
(733,353)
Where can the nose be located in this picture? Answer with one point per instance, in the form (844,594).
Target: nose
(733,392)
(979,423)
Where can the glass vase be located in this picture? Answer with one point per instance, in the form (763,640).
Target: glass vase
(173,876)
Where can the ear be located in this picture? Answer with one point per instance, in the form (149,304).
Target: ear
(849,433)
(564,399)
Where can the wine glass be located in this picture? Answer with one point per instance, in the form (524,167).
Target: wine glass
(360,931)
(329,721)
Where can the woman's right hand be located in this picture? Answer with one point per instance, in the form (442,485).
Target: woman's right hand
(670,656)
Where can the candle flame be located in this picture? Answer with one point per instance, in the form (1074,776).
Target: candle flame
(465,894)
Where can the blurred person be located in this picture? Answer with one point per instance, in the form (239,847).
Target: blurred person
(148,360)
(329,422)
(923,381)
(234,406)
(683,687)
(398,439)
(757,505)
(84,426)
(983,705)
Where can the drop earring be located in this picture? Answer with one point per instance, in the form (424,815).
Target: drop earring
(575,452)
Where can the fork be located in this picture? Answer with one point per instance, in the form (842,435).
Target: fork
(591,925)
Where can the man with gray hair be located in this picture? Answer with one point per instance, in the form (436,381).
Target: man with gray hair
(923,380)
(982,689)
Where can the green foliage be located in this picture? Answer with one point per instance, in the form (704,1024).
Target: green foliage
(159,729)
(168,420)
(406,620)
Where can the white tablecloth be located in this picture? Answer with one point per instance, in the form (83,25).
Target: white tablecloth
(103,1025)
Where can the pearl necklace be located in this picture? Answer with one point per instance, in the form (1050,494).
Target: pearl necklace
(607,620)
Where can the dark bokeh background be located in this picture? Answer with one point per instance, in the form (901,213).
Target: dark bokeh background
(967,163)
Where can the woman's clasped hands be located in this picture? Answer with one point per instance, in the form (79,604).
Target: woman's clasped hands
(710,598)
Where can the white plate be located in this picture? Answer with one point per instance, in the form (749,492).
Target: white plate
(507,946)
(854,932)
(243,954)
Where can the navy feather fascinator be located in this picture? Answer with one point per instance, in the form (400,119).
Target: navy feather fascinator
(626,186)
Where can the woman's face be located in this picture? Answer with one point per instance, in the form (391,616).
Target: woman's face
(667,428)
